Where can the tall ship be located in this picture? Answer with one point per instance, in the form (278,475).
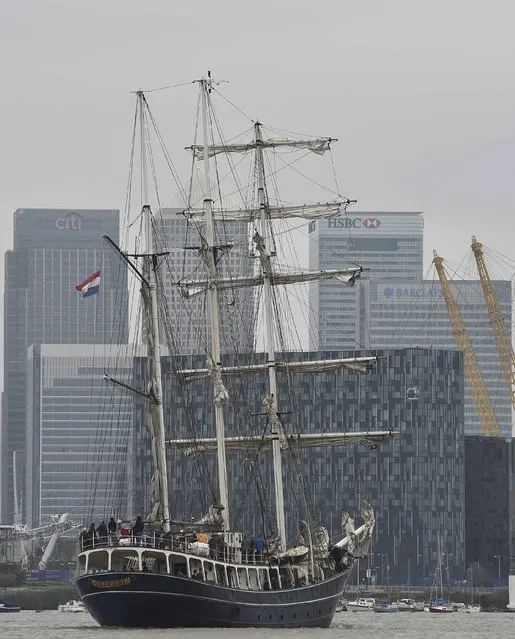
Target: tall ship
(167,570)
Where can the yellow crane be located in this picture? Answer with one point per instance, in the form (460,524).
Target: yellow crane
(475,380)
(500,331)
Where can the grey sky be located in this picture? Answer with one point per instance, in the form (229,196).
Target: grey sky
(420,93)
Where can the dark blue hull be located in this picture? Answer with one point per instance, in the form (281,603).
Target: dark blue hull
(144,600)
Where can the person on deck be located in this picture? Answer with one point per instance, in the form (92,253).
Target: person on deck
(137,530)
(102,533)
(111,529)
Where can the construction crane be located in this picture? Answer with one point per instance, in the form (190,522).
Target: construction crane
(475,380)
(499,329)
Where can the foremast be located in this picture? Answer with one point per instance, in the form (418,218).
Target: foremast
(208,253)
(159,493)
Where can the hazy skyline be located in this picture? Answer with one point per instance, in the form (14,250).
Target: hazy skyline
(421,96)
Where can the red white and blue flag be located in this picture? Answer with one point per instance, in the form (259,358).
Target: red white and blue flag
(90,286)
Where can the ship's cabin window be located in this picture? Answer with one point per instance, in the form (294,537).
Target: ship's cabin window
(154,561)
(124,560)
(243,578)
(98,561)
(209,572)
(221,575)
(264,579)
(232,576)
(195,569)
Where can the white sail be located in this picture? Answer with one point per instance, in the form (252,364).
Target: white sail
(347,276)
(316,145)
(257,443)
(305,211)
(359,364)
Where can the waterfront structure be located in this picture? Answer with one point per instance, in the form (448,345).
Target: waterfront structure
(70,425)
(176,235)
(403,313)
(414,482)
(389,244)
(53,251)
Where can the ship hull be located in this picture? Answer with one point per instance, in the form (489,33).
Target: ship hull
(144,600)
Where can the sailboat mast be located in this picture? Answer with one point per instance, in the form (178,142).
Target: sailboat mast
(265,255)
(208,252)
(157,429)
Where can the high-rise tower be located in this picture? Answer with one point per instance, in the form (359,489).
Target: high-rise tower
(389,244)
(53,251)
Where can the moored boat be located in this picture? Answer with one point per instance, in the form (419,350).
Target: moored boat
(361,604)
(72,606)
(9,605)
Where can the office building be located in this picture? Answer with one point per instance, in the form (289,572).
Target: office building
(414,314)
(415,482)
(389,244)
(53,251)
(79,433)
(489,517)
(186,317)
(393,307)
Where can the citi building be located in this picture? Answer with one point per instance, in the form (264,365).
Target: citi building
(54,250)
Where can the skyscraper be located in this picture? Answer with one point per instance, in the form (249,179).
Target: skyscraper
(389,244)
(53,251)
(175,236)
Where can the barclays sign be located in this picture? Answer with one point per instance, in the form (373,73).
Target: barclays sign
(420,292)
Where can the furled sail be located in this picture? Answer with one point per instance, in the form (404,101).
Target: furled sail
(258,443)
(347,276)
(316,145)
(359,364)
(305,211)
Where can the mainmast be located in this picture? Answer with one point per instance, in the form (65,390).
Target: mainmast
(160,507)
(263,242)
(208,252)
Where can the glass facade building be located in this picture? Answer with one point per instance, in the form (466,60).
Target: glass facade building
(53,251)
(393,306)
(409,314)
(415,482)
(389,244)
(488,495)
(79,433)
(186,317)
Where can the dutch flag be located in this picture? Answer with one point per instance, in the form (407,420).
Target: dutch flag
(90,286)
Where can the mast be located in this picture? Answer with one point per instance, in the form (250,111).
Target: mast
(208,252)
(265,257)
(160,507)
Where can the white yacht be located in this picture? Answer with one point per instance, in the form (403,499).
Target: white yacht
(361,603)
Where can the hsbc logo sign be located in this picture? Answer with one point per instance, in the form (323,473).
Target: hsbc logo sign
(371,223)
(354,223)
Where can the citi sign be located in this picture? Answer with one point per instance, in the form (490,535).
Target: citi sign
(354,223)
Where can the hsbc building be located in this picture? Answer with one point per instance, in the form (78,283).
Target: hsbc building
(389,244)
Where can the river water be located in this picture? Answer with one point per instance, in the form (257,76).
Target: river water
(358,625)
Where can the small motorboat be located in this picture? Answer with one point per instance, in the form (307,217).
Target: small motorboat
(386,606)
(8,605)
(72,606)
(361,604)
